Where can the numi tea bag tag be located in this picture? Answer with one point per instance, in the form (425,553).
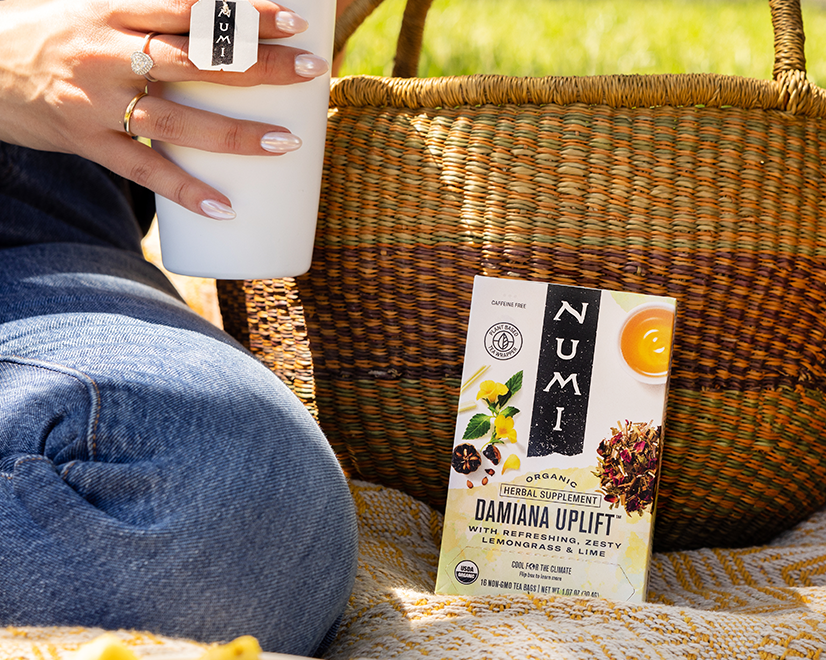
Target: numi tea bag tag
(223,35)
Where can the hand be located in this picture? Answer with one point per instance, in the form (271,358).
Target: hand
(66,80)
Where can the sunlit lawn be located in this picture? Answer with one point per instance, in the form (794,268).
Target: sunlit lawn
(587,37)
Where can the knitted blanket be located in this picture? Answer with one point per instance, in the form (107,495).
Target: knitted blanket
(763,602)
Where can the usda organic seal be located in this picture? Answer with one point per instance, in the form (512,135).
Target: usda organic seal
(466,572)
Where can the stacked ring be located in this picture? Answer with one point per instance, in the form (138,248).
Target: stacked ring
(127,116)
(141,62)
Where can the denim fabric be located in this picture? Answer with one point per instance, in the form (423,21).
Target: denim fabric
(154,475)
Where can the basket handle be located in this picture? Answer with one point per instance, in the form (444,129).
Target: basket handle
(349,21)
(409,43)
(789,38)
(787,23)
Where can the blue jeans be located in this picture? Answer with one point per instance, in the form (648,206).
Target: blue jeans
(156,476)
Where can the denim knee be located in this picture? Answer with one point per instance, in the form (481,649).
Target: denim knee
(153,475)
(164,480)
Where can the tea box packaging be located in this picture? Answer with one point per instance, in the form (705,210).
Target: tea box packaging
(558,442)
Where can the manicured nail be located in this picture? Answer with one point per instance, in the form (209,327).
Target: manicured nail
(310,66)
(217,210)
(279,142)
(287,21)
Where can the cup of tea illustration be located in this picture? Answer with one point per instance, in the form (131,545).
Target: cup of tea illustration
(645,339)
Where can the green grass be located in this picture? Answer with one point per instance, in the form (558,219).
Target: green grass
(588,37)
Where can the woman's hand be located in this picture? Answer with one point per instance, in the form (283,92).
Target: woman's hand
(66,81)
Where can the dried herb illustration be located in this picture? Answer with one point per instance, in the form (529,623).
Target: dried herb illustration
(465,459)
(628,463)
(492,453)
(497,421)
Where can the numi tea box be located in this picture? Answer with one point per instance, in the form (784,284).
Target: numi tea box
(558,442)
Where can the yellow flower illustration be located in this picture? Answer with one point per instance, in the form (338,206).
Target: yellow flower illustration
(504,428)
(491,390)
(511,463)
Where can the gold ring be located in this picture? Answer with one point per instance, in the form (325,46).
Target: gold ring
(127,116)
(141,62)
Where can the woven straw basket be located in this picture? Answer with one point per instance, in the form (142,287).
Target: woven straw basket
(708,188)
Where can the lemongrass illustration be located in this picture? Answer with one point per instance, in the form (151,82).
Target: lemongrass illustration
(474,377)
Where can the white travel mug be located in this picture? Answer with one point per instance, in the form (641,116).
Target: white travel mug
(275,197)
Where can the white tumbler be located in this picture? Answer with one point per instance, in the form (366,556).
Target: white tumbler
(275,197)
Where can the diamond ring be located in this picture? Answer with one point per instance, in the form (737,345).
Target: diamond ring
(141,62)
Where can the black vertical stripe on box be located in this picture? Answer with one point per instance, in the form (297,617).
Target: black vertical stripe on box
(223,34)
(563,383)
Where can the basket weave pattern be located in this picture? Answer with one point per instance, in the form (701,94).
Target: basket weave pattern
(618,182)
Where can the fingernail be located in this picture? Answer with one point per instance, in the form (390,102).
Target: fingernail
(279,142)
(217,210)
(287,21)
(310,66)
